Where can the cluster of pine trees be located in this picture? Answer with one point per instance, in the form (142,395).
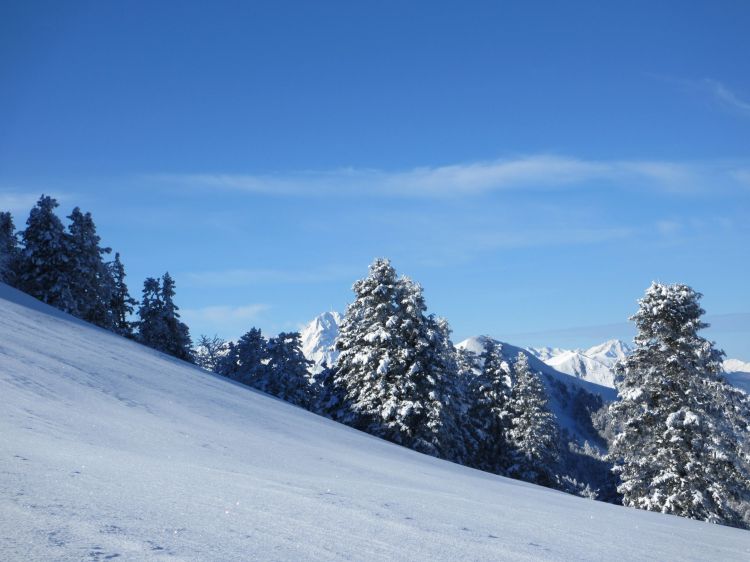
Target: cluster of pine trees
(66,268)
(399,377)
(678,431)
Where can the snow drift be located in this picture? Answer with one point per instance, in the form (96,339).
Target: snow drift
(109,449)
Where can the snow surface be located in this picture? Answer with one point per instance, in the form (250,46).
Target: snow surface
(111,450)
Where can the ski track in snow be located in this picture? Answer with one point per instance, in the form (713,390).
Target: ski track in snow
(111,451)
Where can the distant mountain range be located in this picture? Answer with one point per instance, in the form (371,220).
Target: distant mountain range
(593,365)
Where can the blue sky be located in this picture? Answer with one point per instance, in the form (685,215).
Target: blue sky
(534,165)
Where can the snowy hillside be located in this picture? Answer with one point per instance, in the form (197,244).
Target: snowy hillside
(111,450)
(318,338)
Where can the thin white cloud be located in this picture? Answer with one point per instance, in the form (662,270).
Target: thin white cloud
(17,202)
(240,277)
(225,320)
(727,97)
(550,237)
(542,172)
(223,313)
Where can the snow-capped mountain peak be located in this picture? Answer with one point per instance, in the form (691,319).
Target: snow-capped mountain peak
(318,337)
(609,352)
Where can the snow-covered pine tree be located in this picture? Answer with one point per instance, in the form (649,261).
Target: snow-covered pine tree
(327,396)
(287,373)
(9,251)
(45,270)
(159,323)
(489,414)
(179,343)
(151,328)
(390,366)
(251,359)
(675,451)
(121,303)
(534,434)
(451,401)
(91,281)
(229,363)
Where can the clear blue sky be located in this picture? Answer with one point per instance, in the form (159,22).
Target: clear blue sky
(535,165)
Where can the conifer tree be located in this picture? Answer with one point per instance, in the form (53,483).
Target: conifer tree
(9,251)
(151,329)
(490,413)
(450,401)
(252,358)
(287,373)
(675,450)
(159,324)
(121,303)
(228,364)
(179,343)
(328,398)
(534,434)
(46,268)
(390,366)
(91,283)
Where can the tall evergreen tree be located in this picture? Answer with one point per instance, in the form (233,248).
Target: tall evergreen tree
(159,324)
(390,367)
(151,329)
(9,251)
(91,281)
(490,410)
(121,303)
(252,358)
(179,343)
(451,395)
(46,268)
(675,450)
(328,398)
(534,434)
(228,364)
(287,373)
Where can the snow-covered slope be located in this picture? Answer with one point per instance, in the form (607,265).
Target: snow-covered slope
(109,450)
(318,338)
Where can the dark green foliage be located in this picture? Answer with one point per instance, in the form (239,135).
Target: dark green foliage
(46,265)
(159,323)
(9,250)
(121,303)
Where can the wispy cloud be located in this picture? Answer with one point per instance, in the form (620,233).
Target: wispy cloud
(17,202)
(551,237)
(240,277)
(535,172)
(217,315)
(726,96)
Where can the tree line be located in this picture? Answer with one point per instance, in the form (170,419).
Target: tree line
(66,268)
(678,434)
